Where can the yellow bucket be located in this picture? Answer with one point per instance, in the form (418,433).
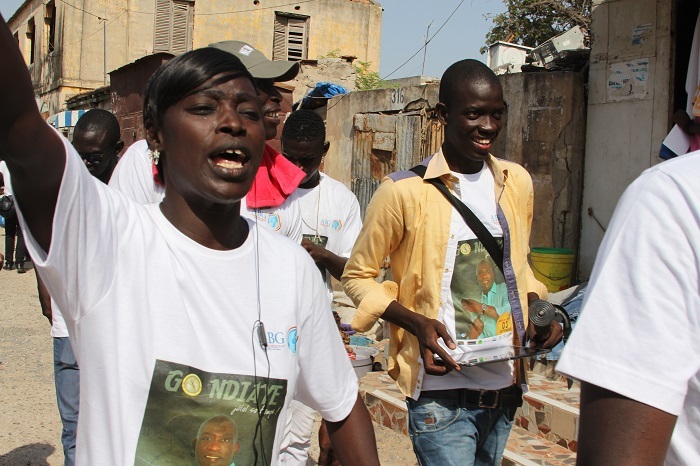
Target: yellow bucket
(553,267)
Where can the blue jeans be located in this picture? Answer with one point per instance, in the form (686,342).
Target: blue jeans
(444,433)
(67,378)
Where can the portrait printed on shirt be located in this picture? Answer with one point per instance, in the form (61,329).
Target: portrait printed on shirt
(319,240)
(194,417)
(479,295)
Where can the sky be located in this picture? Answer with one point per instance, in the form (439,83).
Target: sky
(404,24)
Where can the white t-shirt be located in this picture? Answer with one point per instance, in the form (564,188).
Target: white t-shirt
(640,322)
(6,177)
(164,329)
(461,285)
(58,326)
(134,177)
(330,215)
(59,329)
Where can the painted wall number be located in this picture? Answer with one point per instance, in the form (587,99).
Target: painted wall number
(397,96)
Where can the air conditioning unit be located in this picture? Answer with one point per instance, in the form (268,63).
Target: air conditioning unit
(505,57)
(573,39)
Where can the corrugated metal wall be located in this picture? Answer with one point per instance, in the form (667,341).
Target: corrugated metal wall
(385,143)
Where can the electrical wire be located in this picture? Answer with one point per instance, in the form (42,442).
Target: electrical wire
(258,435)
(80,9)
(82,39)
(225,12)
(426,42)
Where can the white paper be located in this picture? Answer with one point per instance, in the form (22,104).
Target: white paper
(678,141)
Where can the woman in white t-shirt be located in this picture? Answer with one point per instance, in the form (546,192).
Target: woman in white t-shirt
(181,311)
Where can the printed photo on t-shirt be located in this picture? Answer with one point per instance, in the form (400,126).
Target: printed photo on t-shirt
(479,295)
(194,417)
(319,240)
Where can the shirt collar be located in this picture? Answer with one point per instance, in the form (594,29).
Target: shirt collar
(437,167)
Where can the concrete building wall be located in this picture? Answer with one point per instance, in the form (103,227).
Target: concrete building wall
(80,61)
(353,27)
(340,127)
(335,70)
(628,106)
(375,132)
(545,131)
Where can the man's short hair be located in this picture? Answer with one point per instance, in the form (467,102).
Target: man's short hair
(469,70)
(99,120)
(304,126)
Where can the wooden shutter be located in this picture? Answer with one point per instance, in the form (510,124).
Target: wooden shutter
(296,39)
(161,33)
(180,32)
(291,37)
(279,45)
(173,26)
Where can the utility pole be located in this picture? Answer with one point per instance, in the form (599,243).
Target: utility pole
(104,48)
(425,47)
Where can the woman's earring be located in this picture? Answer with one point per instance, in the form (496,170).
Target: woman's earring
(154,155)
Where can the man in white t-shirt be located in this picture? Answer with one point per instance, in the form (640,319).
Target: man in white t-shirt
(330,211)
(331,222)
(97,139)
(635,347)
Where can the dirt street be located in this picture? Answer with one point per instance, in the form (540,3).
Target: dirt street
(30,428)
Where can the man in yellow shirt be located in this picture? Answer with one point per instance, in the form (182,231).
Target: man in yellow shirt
(457,415)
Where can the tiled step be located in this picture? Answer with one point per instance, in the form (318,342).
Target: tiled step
(550,410)
(545,431)
(527,449)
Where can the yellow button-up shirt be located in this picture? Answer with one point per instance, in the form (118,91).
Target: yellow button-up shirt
(409,220)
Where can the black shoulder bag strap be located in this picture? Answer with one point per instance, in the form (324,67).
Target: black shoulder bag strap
(473,222)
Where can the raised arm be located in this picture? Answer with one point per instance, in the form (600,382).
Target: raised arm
(33,152)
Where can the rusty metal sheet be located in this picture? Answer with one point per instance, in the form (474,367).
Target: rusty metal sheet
(364,189)
(408,142)
(375,122)
(384,141)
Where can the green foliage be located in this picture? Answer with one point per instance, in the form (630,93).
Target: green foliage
(365,79)
(532,22)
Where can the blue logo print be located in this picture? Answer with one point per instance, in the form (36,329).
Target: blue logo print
(274,221)
(292,340)
(337,225)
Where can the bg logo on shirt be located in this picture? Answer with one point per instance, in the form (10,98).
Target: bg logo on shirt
(292,340)
(272,219)
(333,224)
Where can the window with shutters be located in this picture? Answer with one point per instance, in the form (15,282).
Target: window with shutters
(31,36)
(291,37)
(50,26)
(173,28)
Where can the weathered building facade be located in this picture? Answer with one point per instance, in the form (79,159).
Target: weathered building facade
(639,57)
(374,133)
(71,48)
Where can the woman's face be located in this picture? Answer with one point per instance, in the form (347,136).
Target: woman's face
(212,143)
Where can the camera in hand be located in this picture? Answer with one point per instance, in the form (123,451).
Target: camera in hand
(543,313)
